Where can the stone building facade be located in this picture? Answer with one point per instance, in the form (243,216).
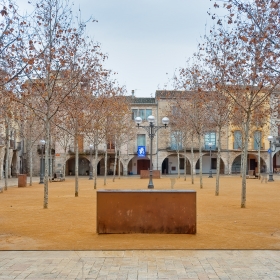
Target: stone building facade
(164,155)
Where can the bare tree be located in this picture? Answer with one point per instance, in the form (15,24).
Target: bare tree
(242,52)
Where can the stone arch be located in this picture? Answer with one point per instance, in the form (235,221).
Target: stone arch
(135,164)
(83,166)
(206,163)
(110,165)
(276,162)
(252,160)
(169,164)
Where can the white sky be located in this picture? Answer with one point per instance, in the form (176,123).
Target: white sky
(145,39)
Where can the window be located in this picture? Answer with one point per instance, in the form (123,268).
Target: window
(176,140)
(148,113)
(237,140)
(141,139)
(210,137)
(134,113)
(142,113)
(257,139)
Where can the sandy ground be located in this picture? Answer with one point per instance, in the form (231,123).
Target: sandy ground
(69,222)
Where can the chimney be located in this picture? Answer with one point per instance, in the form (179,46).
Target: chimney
(132,93)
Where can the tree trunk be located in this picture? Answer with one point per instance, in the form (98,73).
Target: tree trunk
(95,162)
(200,162)
(51,166)
(115,164)
(30,162)
(7,162)
(119,164)
(192,162)
(64,163)
(259,159)
(76,166)
(218,163)
(185,165)
(242,161)
(105,171)
(46,179)
(178,161)
(246,140)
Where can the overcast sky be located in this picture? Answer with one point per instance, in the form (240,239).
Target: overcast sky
(146,40)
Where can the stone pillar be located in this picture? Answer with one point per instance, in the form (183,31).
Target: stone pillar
(125,166)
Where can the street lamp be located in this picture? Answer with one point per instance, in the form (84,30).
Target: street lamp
(42,143)
(151,129)
(270,177)
(210,172)
(90,164)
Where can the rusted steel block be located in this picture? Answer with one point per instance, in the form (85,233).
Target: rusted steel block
(145,174)
(146,211)
(22,180)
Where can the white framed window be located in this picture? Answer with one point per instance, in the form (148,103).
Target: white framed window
(257,139)
(176,140)
(237,144)
(141,139)
(210,137)
(142,113)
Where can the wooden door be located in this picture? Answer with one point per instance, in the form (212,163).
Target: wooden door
(142,164)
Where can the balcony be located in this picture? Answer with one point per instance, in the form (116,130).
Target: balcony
(71,151)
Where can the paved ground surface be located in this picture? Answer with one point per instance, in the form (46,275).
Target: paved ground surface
(181,264)
(69,223)
(139,264)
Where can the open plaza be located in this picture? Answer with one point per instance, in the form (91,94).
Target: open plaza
(61,242)
(70,222)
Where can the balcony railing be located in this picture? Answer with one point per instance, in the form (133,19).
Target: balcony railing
(71,151)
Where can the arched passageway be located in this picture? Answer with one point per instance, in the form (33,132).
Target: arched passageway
(136,164)
(83,166)
(276,162)
(170,165)
(210,163)
(110,166)
(252,164)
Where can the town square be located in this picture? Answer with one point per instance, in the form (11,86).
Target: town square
(139,139)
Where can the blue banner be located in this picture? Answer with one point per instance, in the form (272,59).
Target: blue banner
(141,151)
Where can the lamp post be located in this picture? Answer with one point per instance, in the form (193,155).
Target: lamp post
(270,177)
(151,129)
(42,143)
(90,164)
(210,172)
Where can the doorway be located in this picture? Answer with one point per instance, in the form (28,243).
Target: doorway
(142,164)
